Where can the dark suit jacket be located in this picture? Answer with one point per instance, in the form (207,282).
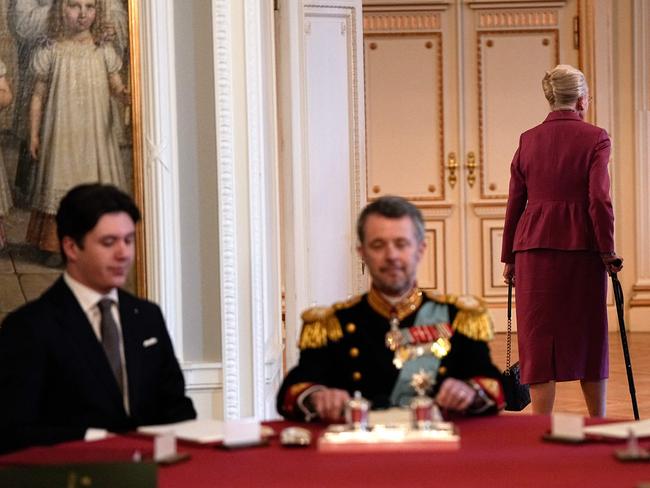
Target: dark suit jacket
(55,380)
(559,189)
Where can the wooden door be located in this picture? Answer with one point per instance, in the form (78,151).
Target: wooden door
(449,88)
(508,51)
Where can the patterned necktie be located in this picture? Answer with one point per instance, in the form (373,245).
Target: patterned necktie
(111,339)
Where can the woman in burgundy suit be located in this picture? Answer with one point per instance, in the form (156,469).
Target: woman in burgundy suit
(558,241)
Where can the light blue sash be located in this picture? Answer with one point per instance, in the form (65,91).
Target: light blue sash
(430,313)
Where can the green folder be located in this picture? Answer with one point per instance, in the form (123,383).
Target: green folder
(95,475)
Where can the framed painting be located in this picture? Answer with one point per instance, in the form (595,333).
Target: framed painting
(68,115)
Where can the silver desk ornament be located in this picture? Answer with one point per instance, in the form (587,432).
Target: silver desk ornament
(357,412)
(424,414)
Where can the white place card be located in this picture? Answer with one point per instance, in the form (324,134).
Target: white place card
(93,434)
(621,430)
(198,430)
(567,426)
(242,431)
(164,446)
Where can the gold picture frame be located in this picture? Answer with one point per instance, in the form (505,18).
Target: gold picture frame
(138,157)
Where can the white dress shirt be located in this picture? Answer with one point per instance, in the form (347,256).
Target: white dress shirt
(88,300)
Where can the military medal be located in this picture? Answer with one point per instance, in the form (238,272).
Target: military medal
(393,336)
(417,341)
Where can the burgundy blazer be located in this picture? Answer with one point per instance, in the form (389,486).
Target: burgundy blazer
(559,189)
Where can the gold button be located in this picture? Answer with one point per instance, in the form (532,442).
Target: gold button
(354,352)
(442,370)
(350,328)
(356,376)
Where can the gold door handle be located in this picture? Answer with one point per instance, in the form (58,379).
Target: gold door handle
(471,169)
(452,166)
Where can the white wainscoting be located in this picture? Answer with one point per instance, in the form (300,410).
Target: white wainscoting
(204,385)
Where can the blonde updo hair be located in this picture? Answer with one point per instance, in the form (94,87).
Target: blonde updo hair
(563,85)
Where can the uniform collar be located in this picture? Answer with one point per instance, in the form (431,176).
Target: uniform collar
(406,307)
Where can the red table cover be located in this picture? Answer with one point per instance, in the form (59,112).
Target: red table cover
(500,451)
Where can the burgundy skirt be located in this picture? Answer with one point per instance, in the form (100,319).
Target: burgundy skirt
(561,315)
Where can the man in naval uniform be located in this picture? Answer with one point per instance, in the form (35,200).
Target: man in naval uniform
(375,342)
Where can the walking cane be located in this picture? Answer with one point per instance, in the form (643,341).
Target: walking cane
(618,298)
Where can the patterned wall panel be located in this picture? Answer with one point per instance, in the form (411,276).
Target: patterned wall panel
(509,19)
(401,22)
(404,115)
(494,288)
(432,270)
(511,64)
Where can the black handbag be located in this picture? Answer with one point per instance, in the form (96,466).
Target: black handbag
(517,395)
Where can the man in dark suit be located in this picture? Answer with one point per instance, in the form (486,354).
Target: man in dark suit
(87,355)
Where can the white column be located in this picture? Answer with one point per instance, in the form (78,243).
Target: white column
(263,221)
(247,214)
(248,222)
(222,17)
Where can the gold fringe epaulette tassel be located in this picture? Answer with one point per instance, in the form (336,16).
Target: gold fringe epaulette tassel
(320,325)
(475,325)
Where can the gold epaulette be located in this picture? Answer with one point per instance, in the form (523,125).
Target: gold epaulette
(350,302)
(440,297)
(319,325)
(472,319)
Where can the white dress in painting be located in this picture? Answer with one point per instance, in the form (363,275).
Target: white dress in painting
(78,143)
(5,190)
(27,20)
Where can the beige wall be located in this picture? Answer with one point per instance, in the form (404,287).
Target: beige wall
(623,135)
(630,165)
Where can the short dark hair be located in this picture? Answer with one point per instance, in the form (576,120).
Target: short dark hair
(391,207)
(82,207)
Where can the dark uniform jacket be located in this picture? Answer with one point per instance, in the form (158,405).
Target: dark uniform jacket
(55,379)
(343,347)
